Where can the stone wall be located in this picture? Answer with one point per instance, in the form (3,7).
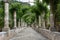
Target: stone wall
(10,34)
(44,32)
(7,35)
(2,35)
(49,34)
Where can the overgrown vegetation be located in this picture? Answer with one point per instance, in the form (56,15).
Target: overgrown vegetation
(31,14)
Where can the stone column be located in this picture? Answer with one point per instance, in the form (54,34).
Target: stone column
(39,21)
(25,24)
(19,23)
(22,23)
(51,22)
(15,26)
(6,18)
(42,20)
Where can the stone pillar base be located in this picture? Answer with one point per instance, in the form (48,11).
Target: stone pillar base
(8,32)
(14,27)
(5,29)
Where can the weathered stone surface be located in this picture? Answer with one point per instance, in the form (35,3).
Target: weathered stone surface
(49,34)
(57,36)
(28,34)
(3,35)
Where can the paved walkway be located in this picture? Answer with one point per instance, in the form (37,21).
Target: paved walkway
(28,34)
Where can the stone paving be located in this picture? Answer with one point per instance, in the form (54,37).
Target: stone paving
(28,34)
